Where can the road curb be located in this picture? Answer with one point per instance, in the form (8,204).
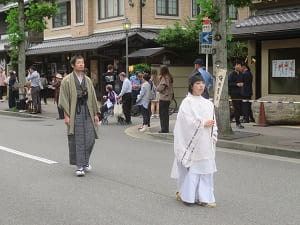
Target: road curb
(242,146)
(23,115)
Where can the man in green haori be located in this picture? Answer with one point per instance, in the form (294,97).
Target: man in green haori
(78,100)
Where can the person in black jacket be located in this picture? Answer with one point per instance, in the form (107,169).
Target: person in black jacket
(108,78)
(235,83)
(13,89)
(246,92)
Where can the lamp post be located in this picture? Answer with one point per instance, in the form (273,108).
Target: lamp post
(126,27)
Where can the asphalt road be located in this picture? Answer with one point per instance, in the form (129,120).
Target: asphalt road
(130,182)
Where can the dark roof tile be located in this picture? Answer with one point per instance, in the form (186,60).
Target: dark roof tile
(84,43)
(269,20)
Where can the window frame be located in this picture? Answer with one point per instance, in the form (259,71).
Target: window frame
(192,9)
(167,9)
(285,54)
(83,14)
(236,12)
(68,8)
(119,14)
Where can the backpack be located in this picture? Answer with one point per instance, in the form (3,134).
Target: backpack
(152,90)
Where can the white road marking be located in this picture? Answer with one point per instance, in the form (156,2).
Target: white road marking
(259,155)
(27,155)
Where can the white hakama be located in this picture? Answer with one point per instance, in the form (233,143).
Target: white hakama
(195,175)
(196,183)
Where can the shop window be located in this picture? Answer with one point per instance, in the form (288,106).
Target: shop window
(110,8)
(63,16)
(167,7)
(79,11)
(232,12)
(284,71)
(195,8)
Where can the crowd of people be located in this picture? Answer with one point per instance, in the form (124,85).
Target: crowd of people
(9,84)
(146,91)
(195,132)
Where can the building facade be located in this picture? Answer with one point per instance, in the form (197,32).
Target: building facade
(273,34)
(94,28)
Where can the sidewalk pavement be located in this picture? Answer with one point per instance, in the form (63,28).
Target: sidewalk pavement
(273,140)
(48,111)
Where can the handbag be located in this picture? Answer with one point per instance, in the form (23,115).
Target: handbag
(118,110)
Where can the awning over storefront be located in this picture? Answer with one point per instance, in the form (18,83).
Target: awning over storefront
(147,52)
(85,43)
(269,23)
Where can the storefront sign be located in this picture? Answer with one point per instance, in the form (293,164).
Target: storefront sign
(283,68)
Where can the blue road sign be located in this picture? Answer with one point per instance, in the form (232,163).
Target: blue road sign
(206,38)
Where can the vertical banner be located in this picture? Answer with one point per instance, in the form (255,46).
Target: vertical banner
(220,78)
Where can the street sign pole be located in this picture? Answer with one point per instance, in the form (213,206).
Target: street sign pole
(206,41)
(206,62)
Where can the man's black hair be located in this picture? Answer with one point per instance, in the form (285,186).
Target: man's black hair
(32,67)
(110,67)
(75,58)
(147,70)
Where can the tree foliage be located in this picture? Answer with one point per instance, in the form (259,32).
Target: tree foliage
(207,8)
(236,51)
(35,15)
(139,67)
(181,38)
(185,38)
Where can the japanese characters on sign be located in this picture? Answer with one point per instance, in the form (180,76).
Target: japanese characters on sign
(220,78)
(283,68)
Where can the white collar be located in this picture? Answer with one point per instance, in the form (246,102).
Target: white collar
(80,79)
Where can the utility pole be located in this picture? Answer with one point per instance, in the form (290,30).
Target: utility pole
(219,46)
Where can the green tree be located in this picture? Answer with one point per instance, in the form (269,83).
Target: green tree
(139,67)
(182,39)
(21,20)
(185,39)
(216,10)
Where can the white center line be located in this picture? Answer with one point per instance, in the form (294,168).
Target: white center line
(27,155)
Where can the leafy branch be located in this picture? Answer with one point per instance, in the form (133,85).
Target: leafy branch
(35,15)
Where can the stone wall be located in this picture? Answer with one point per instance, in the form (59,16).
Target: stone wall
(285,114)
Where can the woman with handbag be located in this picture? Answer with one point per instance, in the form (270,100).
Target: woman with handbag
(166,92)
(195,137)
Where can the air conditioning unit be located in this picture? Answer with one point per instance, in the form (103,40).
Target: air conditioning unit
(256,1)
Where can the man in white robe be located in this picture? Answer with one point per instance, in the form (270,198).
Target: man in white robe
(195,137)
